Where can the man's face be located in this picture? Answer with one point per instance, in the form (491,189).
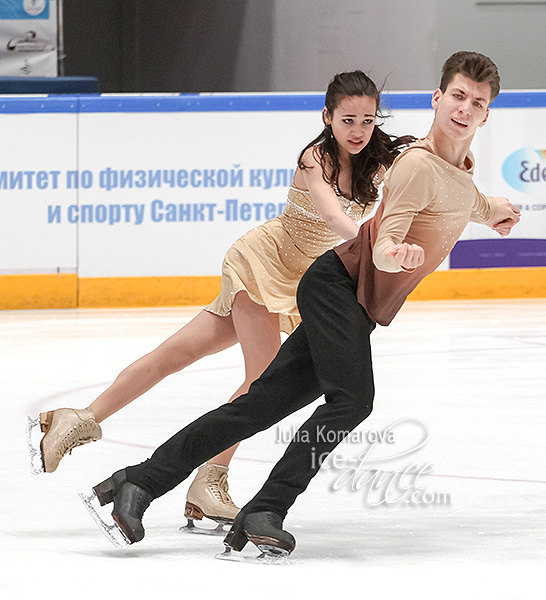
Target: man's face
(462,108)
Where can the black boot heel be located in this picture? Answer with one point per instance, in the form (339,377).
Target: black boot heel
(236,539)
(106,490)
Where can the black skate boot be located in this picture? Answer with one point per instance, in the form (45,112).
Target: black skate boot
(130,503)
(264,530)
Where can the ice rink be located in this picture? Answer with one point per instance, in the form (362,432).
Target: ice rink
(460,404)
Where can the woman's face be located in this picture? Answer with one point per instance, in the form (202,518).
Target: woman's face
(352,122)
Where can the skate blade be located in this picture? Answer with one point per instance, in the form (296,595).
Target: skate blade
(35,454)
(113,532)
(191,527)
(270,555)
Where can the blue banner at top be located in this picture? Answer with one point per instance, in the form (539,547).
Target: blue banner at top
(129,103)
(24,9)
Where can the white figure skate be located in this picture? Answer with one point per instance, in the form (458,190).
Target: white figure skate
(64,429)
(208,498)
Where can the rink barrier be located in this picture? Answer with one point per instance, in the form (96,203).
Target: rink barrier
(38,291)
(482,284)
(121,292)
(68,291)
(25,284)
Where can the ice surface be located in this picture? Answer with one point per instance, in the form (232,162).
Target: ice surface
(465,381)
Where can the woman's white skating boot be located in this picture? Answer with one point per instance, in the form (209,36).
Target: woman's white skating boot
(208,496)
(65,429)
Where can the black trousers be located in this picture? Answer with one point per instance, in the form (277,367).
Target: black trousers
(329,353)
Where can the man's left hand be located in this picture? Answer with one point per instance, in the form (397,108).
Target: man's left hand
(506,216)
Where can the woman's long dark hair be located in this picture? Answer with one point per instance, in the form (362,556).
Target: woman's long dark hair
(381,150)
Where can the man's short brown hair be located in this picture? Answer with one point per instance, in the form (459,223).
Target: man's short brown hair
(473,65)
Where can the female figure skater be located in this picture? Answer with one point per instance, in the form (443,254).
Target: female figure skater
(335,186)
(429,196)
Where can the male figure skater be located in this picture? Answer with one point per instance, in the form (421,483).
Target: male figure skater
(428,199)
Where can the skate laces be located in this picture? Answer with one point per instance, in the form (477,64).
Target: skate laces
(142,501)
(218,485)
(78,435)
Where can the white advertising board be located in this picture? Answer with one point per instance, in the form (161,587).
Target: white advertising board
(139,186)
(197,181)
(38,147)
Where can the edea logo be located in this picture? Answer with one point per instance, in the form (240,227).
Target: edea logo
(525,170)
(34,7)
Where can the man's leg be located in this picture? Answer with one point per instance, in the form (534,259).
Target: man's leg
(287,385)
(337,330)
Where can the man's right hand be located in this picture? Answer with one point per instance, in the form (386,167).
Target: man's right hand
(408,256)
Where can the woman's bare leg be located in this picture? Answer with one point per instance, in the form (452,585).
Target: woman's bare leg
(205,334)
(258,332)
(67,428)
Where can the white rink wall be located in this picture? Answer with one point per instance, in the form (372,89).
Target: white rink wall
(160,186)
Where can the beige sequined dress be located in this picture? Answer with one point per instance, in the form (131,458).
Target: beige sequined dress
(269,261)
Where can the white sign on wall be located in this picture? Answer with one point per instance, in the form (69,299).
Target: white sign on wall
(37,149)
(149,186)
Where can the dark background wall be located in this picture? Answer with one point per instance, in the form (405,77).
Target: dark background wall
(296,45)
(164,45)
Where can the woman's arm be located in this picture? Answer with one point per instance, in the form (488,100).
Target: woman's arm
(325,198)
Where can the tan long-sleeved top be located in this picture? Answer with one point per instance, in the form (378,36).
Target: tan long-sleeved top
(426,201)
